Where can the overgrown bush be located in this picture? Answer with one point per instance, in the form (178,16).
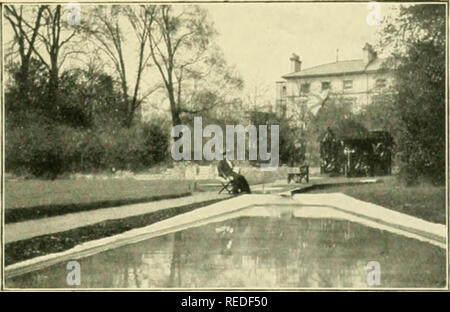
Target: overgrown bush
(45,150)
(155,143)
(34,148)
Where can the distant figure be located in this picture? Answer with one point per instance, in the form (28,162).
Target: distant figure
(238,181)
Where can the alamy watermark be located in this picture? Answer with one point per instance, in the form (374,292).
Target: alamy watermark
(258,140)
(74,276)
(374,275)
(74,14)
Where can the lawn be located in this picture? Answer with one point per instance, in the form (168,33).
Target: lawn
(29,199)
(423,201)
(32,199)
(30,193)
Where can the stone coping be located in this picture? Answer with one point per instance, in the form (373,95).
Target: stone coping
(334,205)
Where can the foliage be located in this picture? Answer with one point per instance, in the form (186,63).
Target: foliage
(291,143)
(381,114)
(106,28)
(84,135)
(417,39)
(79,116)
(45,150)
(333,114)
(155,142)
(190,65)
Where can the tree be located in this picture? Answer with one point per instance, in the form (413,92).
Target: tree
(74,120)
(380,113)
(178,41)
(213,89)
(54,35)
(92,95)
(43,39)
(416,38)
(257,93)
(25,39)
(106,29)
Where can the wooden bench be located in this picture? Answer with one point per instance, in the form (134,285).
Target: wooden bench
(298,177)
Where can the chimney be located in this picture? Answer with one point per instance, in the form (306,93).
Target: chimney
(296,64)
(369,54)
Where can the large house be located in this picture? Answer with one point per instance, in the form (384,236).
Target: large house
(357,82)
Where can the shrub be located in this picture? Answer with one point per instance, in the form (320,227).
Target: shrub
(155,143)
(44,150)
(417,35)
(35,149)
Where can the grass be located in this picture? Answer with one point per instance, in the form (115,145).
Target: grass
(30,193)
(30,199)
(423,201)
(33,199)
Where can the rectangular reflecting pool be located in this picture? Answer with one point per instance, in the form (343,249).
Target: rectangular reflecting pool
(258,252)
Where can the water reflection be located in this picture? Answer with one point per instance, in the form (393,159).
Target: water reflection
(175,265)
(258,252)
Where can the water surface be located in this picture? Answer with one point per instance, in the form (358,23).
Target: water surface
(257,252)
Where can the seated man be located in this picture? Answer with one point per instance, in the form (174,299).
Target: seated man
(225,170)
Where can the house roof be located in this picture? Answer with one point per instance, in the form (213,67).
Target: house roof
(337,68)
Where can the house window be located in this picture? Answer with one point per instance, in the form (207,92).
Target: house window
(304,88)
(380,83)
(283,92)
(348,84)
(326,85)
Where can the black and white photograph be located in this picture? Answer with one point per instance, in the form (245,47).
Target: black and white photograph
(193,146)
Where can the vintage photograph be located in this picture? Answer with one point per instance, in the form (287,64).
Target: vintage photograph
(238,145)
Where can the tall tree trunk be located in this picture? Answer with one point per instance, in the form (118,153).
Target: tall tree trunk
(54,85)
(24,82)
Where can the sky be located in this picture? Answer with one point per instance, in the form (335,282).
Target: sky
(260,38)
